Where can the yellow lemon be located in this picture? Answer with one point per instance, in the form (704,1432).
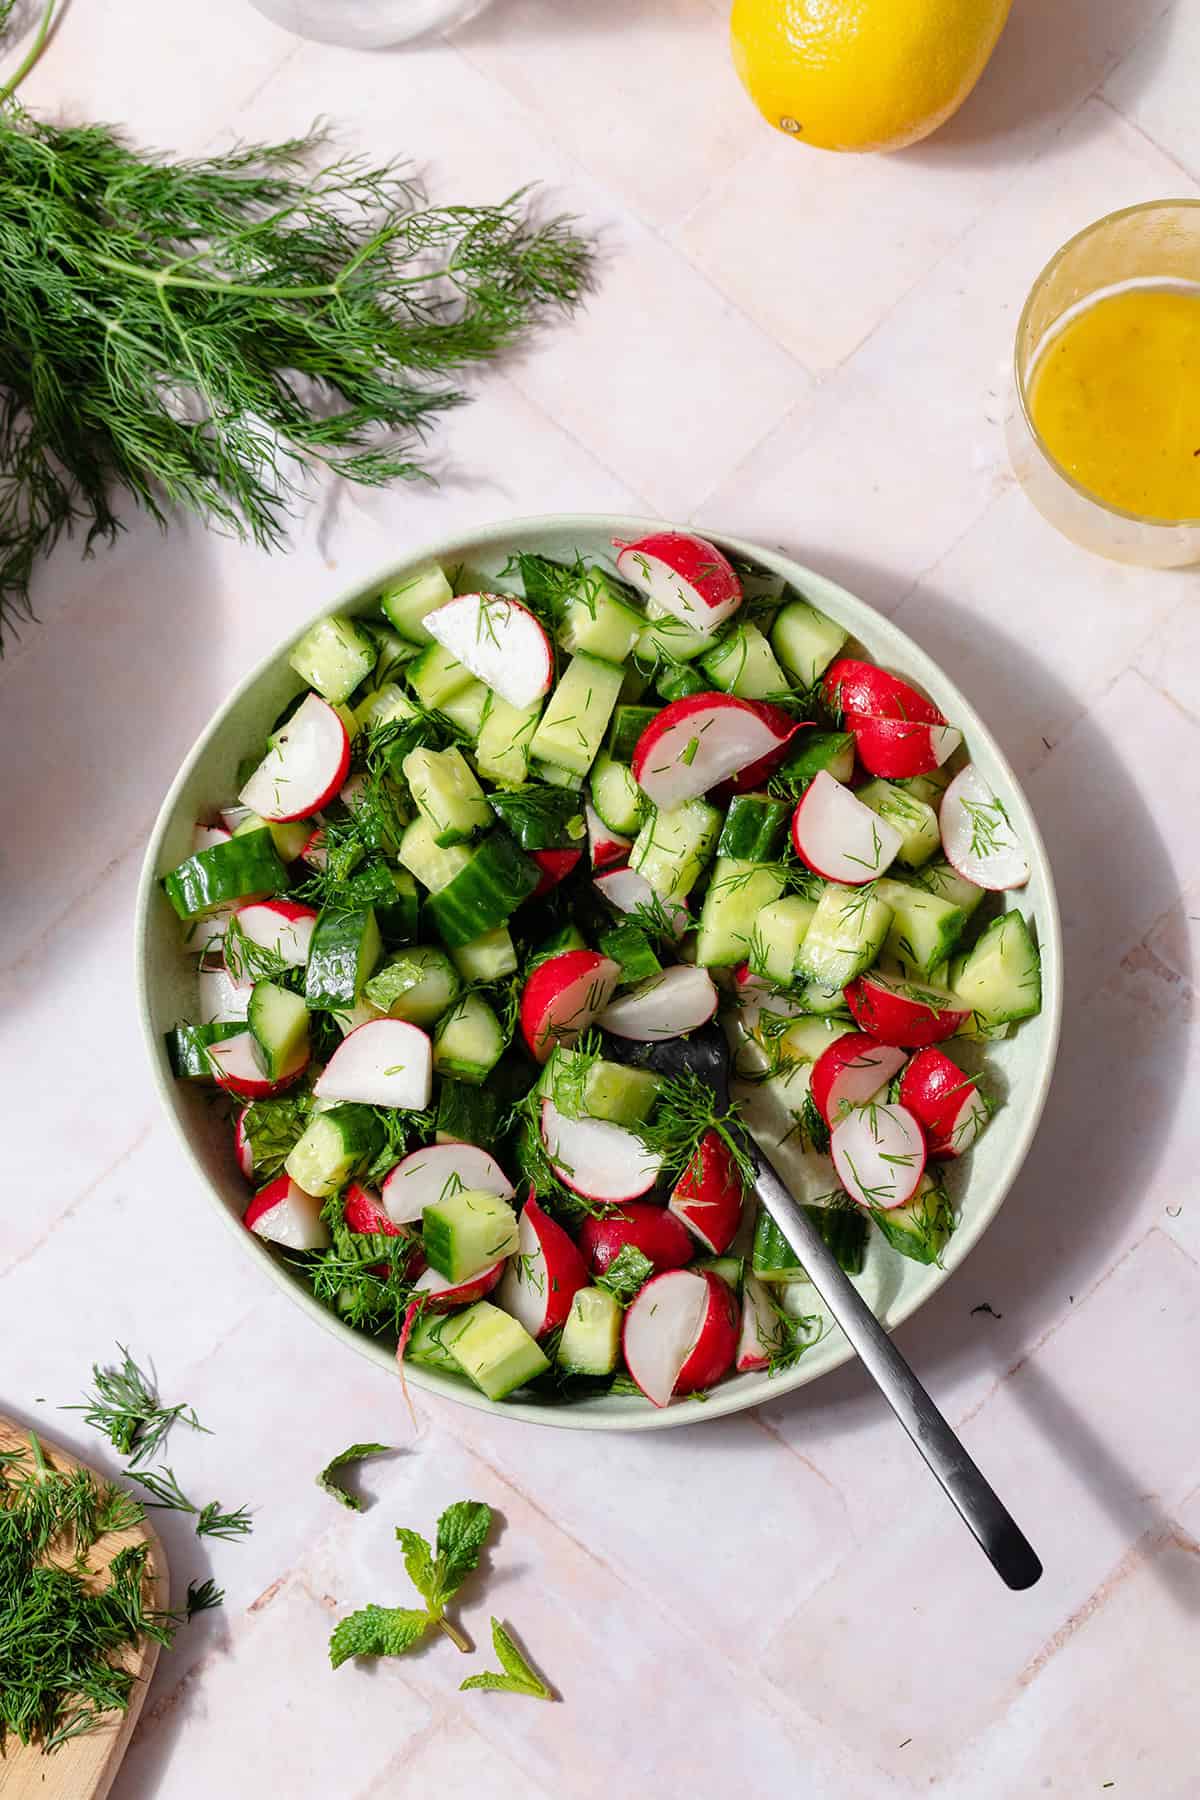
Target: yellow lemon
(862,74)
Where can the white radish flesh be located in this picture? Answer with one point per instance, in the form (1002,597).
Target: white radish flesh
(699,742)
(386,1062)
(305,766)
(626,890)
(207,837)
(879,1154)
(426,1176)
(294,1221)
(840,838)
(279,926)
(684,575)
(661,1328)
(501,643)
(978,835)
(665,1006)
(605,847)
(763,1332)
(223,1001)
(599,1160)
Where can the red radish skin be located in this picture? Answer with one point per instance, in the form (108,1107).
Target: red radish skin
(851,686)
(555,865)
(762,1329)
(281,926)
(423,1176)
(314,852)
(853,1069)
(896,749)
(664,1006)
(606,849)
(708,1195)
(947,1103)
(903,1012)
(756,774)
(748,986)
(236,1068)
(879,1154)
(699,741)
(500,641)
(683,574)
(363,1211)
(284,1214)
(544,1277)
(838,837)
(441,1295)
(242,1148)
(597,1159)
(386,1062)
(657,1233)
(305,767)
(680,1334)
(978,836)
(713,1353)
(563,997)
(626,890)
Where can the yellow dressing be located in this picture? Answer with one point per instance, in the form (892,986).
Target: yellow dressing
(1115,397)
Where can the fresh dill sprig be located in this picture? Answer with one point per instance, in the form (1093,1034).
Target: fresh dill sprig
(684,1111)
(273,1127)
(126,1408)
(202,1597)
(166,1493)
(212,1522)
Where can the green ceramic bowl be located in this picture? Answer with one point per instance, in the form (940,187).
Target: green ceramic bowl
(1020,1066)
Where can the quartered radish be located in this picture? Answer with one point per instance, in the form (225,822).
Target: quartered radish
(363,1210)
(283,927)
(597,1159)
(305,766)
(386,1062)
(314,852)
(897,749)
(879,1154)
(237,1068)
(563,996)
(284,1214)
(242,1147)
(545,1275)
(555,865)
(684,575)
(223,1001)
(708,1195)
(840,838)
(763,1333)
(978,836)
(701,740)
(853,1069)
(605,848)
(679,1000)
(951,1110)
(627,892)
(205,837)
(657,1233)
(442,1295)
(499,641)
(680,1334)
(422,1177)
(895,1011)
(850,686)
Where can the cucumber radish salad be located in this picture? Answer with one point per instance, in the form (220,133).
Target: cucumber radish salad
(500,844)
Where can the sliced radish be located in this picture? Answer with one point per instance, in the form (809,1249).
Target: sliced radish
(444,1295)
(426,1176)
(683,574)
(853,1069)
(242,1147)
(657,1233)
(206,934)
(314,852)
(897,750)
(597,1159)
(605,848)
(763,1332)
(708,1195)
(879,1154)
(680,1334)
(701,740)
(748,986)
(840,838)
(283,927)
(756,774)
(978,835)
(285,1214)
(667,1005)
(236,1068)
(895,1011)
(363,1211)
(545,1275)
(949,1106)
(501,643)
(207,837)
(386,1062)
(305,766)
(563,997)
(555,865)
(628,891)
(223,1001)
(851,686)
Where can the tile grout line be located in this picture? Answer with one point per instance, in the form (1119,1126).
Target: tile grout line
(1139,130)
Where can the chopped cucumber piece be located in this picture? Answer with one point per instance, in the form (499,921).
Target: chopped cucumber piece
(466,1232)
(494,1349)
(555,775)
(568,937)
(589,1087)
(743,663)
(575,720)
(435,676)
(335,1144)
(675,681)
(235,870)
(488,957)
(920,1229)
(541,818)
(1000,977)
(805,1039)
(672,848)
(815,998)
(845,936)
(398,918)
(187,1047)
(434,866)
(591,1337)
(628,724)
(595,618)
(466,1114)
(333,656)
(469,709)
(405,604)
(277,1020)
(665,639)
(447,794)
(737,893)
(916,822)
(468,1042)
(485,892)
(418,985)
(344,949)
(731,1269)
(941,879)
(844,1229)
(384,706)
(427,1346)
(629,946)
(777,935)
(502,747)
(754,827)
(805,641)
(929,788)
(289,836)
(832,751)
(616,796)
(924,929)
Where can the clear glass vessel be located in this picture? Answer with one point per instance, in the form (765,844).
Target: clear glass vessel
(367,24)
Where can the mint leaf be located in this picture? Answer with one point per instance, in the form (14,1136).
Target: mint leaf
(354,1454)
(418,1560)
(377,1631)
(518,1677)
(461,1532)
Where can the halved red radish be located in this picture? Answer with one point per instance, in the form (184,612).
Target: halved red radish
(555,865)
(895,1011)
(207,837)
(283,927)
(563,996)
(678,1000)
(237,1069)
(978,835)
(205,934)
(628,891)
(879,1154)
(386,1062)
(305,766)
(851,686)
(363,1211)
(426,1176)
(757,773)
(597,1159)
(606,848)
(701,740)
(763,1333)
(898,749)
(840,838)
(680,1334)
(444,1295)
(657,1233)
(500,641)
(223,1001)
(545,1275)
(314,852)
(242,1147)
(853,1069)
(748,986)
(285,1214)
(683,574)
(708,1195)
(951,1110)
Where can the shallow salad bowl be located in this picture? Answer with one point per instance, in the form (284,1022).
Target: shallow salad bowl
(893,1285)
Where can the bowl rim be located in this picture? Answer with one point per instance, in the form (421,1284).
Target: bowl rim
(730,1397)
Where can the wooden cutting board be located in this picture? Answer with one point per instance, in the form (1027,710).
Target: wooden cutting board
(86,1766)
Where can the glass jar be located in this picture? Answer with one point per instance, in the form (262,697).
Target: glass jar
(367,24)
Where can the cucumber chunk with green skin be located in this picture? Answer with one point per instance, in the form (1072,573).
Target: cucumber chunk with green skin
(426,1344)
(666,639)
(924,929)
(577,714)
(743,663)
(187,1047)
(468,709)
(844,1229)
(334,1145)
(447,794)
(541,818)
(568,937)
(485,892)
(405,603)
(815,998)
(488,957)
(754,827)
(916,822)
(467,1232)
(398,919)
(584,1087)
(554,775)
(737,893)
(946,882)
(502,747)
(805,641)
(628,724)
(616,796)
(235,870)
(334,656)
(832,751)
(591,1337)
(468,1041)
(1000,977)
(731,1269)
(776,937)
(288,836)
(435,676)
(675,681)
(629,946)
(434,865)
(277,1020)
(928,788)
(418,985)
(673,848)
(921,1228)
(846,935)
(494,1349)
(466,1114)
(344,950)
(385,705)
(597,619)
